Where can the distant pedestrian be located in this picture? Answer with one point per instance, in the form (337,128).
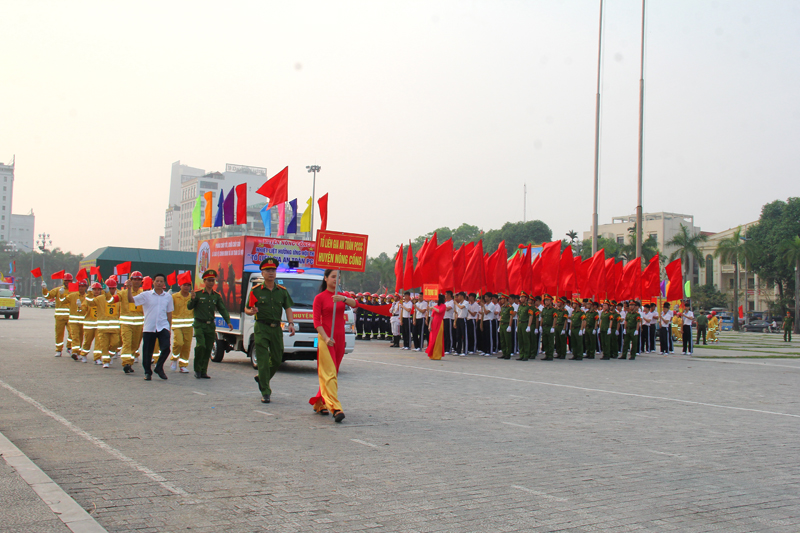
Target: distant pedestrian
(702,328)
(788,322)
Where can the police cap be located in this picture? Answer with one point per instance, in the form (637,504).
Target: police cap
(269,262)
(210,273)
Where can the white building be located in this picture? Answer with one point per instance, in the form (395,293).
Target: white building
(660,226)
(22,231)
(179,174)
(6,199)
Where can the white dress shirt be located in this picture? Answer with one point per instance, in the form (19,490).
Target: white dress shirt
(155,307)
(448,309)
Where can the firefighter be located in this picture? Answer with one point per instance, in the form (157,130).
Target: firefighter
(75,301)
(89,311)
(182,320)
(113,321)
(131,319)
(106,308)
(59,294)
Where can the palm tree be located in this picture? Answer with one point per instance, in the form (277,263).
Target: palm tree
(734,250)
(790,250)
(687,249)
(572,234)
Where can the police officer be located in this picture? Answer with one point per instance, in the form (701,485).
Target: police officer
(267,302)
(506,315)
(547,327)
(788,322)
(204,302)
(562,327)
(591,318)
(524,321)
(632,330)
(577,331)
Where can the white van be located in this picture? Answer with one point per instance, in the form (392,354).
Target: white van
(303,287)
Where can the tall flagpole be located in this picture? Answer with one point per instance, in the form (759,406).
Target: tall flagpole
(314,169)
(639,223)
(597,134)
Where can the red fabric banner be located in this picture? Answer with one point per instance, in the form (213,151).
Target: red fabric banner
(241,203)
(525,271)
(550,256)
(56,275)
(323,211)
(675,277)
(580,274)
(630,288)
(566,274)
(618,278)
(184,278)
(398,270)
(81,275)
(72,287)
(501,269)
(443,262)
(536,286)
(384,310)
(651,279)
(611,282)
(94,271)
(459,267)
(515,274)
(741,311)
(172,279)
(276,188)
(473,273)
(124,268)
(408,275)
(596,277)
(36,272)
(147,283)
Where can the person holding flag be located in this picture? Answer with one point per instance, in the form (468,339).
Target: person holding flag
(131,319)
(75,301)
(59,294)
(330,345)
(436,343)
(182,322)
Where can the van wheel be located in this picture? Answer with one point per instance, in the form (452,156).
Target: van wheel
(251,353)
(219,351)
(16,316)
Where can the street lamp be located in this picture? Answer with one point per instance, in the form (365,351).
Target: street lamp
(42,244)
(314,169)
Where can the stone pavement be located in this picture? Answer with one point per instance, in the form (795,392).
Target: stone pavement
(463,444)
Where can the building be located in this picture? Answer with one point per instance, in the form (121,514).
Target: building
(6,199)
(22,231)
(660,226)
(180,173)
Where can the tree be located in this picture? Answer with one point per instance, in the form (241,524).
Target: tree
(609,246)
(779,222)
(790,251)
(687,249)
(516,233)
(54,260)
(707,297)
(734,250)
(573,235)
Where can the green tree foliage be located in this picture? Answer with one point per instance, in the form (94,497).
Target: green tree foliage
(609,247)
(735,250)
(516,233)
(790,252)
(706,297)
(54,260)
(687,249)
(779,222)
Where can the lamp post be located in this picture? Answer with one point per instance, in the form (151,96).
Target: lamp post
(314,169)
(43,242)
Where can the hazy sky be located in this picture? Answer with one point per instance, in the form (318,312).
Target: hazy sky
(421,114)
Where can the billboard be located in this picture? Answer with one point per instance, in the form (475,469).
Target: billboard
(256,249)
(226,256)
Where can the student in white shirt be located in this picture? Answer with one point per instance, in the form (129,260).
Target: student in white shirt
(448,322)
(406,316)
(473,316)
(460,332)
(688,322)
(420,313)
(487,318)
(157,305)
(664,329)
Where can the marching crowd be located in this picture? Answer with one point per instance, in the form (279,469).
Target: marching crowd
(509,324)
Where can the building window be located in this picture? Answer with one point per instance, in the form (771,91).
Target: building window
(620,239)
(730,283)
(709,270)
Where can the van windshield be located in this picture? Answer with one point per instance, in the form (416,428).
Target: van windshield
(302,291)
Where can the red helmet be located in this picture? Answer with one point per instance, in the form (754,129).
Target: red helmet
(96,285)
(111,277)
(136,275)
(111,283)
(67,277)
(84,282)
(368,295)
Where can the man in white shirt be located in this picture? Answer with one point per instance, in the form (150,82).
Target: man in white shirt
(473,316)
(461,311)
(688,322)
(394,321)
(448,322)
(157,305)
(420,312)
(487,318)
(406,316)
(664,329)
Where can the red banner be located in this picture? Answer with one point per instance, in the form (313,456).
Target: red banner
(341,251)
(430,291)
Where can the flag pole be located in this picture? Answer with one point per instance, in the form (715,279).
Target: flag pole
(639,223)
(597,135)
(335,290)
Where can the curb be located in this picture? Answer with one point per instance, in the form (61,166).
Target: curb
(73,515)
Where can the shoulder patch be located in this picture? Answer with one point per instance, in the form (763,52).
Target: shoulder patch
(280,286)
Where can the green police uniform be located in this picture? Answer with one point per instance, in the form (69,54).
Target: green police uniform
(523,337)
(631,338)
(561,334)
(788,323)
(613,323)
(549,315)
(605,337)
(589,337)
(535,336)
(506,341)
(576,335)
(268,334)
(204,304)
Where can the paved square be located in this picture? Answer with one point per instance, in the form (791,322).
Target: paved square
(462,444)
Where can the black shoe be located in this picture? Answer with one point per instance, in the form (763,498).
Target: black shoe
(127,369)
(633,357)
(338,416)
(205,376)
(624,357)
(197,375)
(258,383)
(161,374)
(265,398)
(561,357)
(605,358)
(547,359)
(576,358)
(520,359)
(509,357)
(148,377)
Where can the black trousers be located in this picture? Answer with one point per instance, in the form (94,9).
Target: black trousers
(418,331)
(148,343)
(406,332)
(461,335)
(652,335)
(687,339)
(447,324)
(359,325)
(665,338)
(495,336)
(701,330)
(472,335)
(488,336)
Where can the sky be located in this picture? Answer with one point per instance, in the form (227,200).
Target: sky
(420,114)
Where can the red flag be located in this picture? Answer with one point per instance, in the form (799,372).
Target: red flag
(580,274)
(551,253)
(489,267)
(675,276)
(537,288)
(408,275)
(323,211)
(94,271)
(184,278)
(515,274)
(172,279)
(459,267)
(611,282)
(618,279)
(473,274)
(596,278)
(72,287)
(241,203)
(425,272)
(56,275)
(501,269)
(417,276)
(398,270)
(384,310)
(566,273)
(741,311)
(276,188)
(37,272)
(253,300)
(124,268)
(444,264)
(525,274)
(630,287)
(147,283)
(651,282)
(81,275)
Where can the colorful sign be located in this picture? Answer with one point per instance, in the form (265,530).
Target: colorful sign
(430,291)
(341,251)
(256,249)
(225,256)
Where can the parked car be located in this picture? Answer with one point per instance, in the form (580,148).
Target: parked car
(43,302)
(25,302)
(759,326)
(9,307)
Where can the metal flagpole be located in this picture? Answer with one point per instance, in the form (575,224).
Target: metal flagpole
(639,224)
(597,134)
(314,169)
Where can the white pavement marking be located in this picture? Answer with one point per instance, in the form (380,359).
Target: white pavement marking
(705,360)
(73,515)
(575,387)
(516,425)
(263,412)
(666,453)
(99,443)
(539,493)
(200,393)
(365,443)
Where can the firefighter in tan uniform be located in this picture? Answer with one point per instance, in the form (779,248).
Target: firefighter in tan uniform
(106,307)
(113,320)
(75,301)
(182,331)
(131,320)
(59,294)
(89,311)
